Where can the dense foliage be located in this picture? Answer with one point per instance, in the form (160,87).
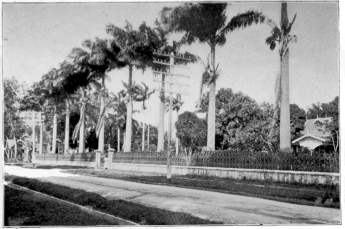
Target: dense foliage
(191,131)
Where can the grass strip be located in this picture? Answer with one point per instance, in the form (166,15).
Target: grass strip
(138,213)
(296,193)
(38,166)
(26,209)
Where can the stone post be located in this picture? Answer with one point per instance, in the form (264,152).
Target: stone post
(98,159)
(110,158)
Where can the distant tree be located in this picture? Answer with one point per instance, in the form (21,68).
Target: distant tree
(191,132)
(13,126)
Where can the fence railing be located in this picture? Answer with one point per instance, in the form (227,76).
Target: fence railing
(84,157)
(244,160)
(148,158)
(269,161)
(222,159)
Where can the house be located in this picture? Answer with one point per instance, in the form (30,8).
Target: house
(314,134)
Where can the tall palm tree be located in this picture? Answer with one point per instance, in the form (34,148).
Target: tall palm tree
(282,36)
(137,48)
(206,23)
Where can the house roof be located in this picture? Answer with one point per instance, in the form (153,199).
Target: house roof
(312,136)
(311,128)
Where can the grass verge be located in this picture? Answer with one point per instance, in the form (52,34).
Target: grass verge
(38,166)
(297,193)
(26,209)
(138,213)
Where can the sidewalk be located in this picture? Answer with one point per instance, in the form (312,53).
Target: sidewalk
(227,208)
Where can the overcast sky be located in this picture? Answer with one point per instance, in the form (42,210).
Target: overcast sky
(37,37)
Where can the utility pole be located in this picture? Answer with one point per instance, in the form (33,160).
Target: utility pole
(168,73)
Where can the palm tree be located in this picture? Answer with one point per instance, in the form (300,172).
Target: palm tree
(206,23)
(176,105)
(136,47)
(84,77)
(282,36)
(142,95)
(54,95)
(100,56)
(67,75)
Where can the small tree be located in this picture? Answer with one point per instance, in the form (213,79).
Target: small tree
(191,132)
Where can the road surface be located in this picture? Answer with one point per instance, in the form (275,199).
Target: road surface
(226,208)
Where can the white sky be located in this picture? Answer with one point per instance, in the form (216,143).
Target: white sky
(37,37)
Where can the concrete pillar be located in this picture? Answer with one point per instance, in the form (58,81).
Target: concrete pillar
(98,159)
(110,157)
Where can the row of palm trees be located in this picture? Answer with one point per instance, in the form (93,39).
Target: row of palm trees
(85,74)
(134,49)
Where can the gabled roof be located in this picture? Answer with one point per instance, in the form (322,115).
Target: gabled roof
(311,128)
(312,136)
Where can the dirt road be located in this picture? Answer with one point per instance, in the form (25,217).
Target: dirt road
(226,208)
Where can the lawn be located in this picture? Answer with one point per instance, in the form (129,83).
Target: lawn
(23,208)
(134,212)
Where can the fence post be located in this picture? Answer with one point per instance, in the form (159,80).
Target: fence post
(110,158)
(169,166)
(98,159)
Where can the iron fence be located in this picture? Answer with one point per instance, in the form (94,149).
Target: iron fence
(268,161)
(84,157)
(244,160)
(148,158)
(223,159)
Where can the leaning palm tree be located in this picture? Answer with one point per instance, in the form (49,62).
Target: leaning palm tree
(136,47)
(206,23)
(282,36)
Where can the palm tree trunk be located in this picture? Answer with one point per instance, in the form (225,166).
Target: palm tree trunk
(82,128)
(285,133)
(148,136)
(66,127)
(160,146)
(124,140)
(128,143)
(101,133)
(16,148)
(177,138)
(54,130)
(33,139)
(143,138)
(41,138)
(170,119)
(211,122)
(118,139)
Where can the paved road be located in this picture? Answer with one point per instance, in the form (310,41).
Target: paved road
(226,208)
